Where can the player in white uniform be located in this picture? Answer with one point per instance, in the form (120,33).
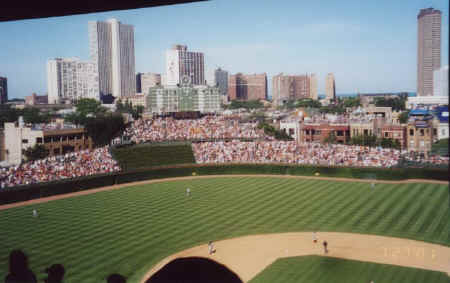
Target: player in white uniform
(35,214)
(188,192)
(210,247)
(314,237)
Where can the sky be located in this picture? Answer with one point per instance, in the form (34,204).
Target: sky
(370,46)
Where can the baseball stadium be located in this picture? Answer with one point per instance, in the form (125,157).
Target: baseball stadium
(224,142)
(164,216)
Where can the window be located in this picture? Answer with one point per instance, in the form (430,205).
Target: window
(386,134)
(411,132)
(422,143)
(435,131)
(56,151)
(340,133)
(38,140)
(422,133)
(291,132)
(443,132)
(318,132)
(366,132)
(24,141)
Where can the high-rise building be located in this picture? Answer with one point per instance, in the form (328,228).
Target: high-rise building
(440,82)
(428,49)
(180,63)
(3,90)
(71,79)
(330,87)
(144,81)
(293,87)
(221,80)
(111,46)
(247,87)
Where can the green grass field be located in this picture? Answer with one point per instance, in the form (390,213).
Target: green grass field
(318,269)
(148,155)
(130,229)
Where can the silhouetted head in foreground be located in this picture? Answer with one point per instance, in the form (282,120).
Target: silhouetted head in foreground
(55,273)
(18,269)
(116,278)
(194,269)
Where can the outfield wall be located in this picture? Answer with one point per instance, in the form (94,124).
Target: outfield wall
(28,192)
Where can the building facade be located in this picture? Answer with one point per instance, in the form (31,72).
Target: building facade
(428,49)
(420,132)
(319,132)
(71,79)
(57,138)
(395,132)
(168,99)
(293,87)
(247,87)
(140,99)
(35,99)
(3,90)
(180,63)
(440,82)
(111,47)
(330,87)
(145,81)
(221,81)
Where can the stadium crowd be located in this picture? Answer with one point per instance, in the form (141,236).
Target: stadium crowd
(70,165)
(211,127)
(291,152)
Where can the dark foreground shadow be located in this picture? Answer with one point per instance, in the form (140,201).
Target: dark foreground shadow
(194,269)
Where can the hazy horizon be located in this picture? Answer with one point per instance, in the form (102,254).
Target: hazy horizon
(370,47)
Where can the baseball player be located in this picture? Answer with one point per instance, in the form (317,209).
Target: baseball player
(314,237)
(188,192)
(325,245)
(210,247)
(35,214)
(372,185)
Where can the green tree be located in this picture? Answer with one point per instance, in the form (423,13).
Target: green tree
(35,153)
(104,128)
(403,117)
(89,106)
(8,114)
(331,138)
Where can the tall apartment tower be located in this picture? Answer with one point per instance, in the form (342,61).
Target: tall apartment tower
(144,81)
(3,90)
(180,63)
(247,87)
(440,82)
(71,79)
(330,87)
(111,46)
(428,49)
(221,81)
(293,87)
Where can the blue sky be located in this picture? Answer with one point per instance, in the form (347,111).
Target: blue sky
(370,46)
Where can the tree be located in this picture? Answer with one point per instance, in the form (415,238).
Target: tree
(103,129)
(403,117)
(331,138)
(34,116)
(8,114)
(86,106)
(308,102)
(35,153)
(397,103)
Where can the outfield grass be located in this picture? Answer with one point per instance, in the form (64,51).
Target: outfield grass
(316,269)
(147,155)
(130,229)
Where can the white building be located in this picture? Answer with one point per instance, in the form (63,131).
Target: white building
(111,46)
(426,101)
(291,126)
(180,62)
(330,87)
(71,79)
(440,82)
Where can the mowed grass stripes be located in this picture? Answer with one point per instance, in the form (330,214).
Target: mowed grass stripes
(309,269)
(130,229)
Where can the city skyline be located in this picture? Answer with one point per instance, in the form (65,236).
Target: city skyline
(373,52)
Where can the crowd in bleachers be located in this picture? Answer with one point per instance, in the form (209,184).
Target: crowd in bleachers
(70,165)
(206,128)
(291,152)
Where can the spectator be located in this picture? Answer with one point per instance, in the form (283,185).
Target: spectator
(18,269)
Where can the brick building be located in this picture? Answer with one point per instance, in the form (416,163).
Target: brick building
(293,87)
(395,132)
(420,132)
(247,87)
(318,132)
(36,99)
